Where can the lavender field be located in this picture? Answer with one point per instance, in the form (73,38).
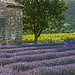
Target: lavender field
(38,59)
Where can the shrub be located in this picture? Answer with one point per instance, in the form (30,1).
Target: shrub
(62,30)
(52,31)
(67,31)
(56,30)
(72,31)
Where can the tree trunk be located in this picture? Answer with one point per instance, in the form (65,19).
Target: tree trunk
(36,38)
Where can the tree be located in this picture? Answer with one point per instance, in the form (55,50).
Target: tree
(41,14)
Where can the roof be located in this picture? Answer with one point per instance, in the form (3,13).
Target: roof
(11,3)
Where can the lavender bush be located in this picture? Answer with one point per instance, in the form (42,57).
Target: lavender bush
(43,63)
(7,55)
(38,59)
(56,70)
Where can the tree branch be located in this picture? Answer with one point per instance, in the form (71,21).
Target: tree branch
(39,33)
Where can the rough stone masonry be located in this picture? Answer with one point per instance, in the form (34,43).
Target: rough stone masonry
(10,22)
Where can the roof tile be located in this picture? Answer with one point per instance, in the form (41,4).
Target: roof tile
(11,3)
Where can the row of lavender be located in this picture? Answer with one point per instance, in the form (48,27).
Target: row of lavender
(44,63)
(57,47)
(35,57)
(29,50)
(38,60)
(33,45)
(55,70)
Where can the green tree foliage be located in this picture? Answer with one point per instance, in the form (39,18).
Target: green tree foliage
(69,22)
(41,14)
(70,14)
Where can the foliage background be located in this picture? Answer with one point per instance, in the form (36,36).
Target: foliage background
(69,22)
(70,14)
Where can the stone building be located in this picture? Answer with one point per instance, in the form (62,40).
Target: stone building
(10,22)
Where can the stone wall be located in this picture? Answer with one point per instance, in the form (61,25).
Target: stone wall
(11,25)
(2,23)
(2,31)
